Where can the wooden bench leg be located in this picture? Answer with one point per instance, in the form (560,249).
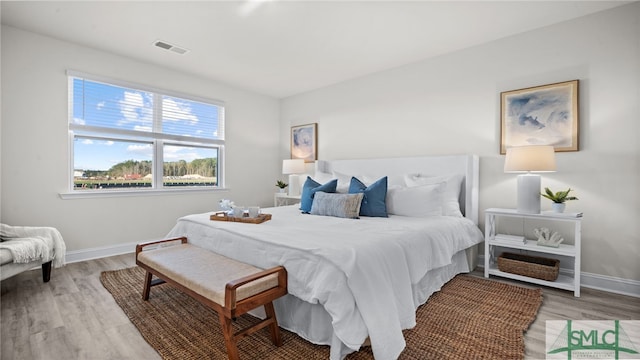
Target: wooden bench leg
(229,341)
(147,286)
(46,271)
(273,328)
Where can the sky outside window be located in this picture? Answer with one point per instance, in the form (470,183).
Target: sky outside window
(114,107)
(96,154)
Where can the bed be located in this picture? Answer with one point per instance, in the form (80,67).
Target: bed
(358,280)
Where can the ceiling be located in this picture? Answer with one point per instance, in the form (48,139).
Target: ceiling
(282,48)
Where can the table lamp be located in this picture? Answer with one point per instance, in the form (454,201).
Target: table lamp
(292,167)
(529,159)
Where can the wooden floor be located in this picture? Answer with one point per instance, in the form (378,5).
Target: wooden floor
(74,317)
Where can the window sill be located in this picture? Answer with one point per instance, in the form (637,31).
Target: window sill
(91,194)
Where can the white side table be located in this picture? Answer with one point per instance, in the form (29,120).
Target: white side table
(282,199)
(493,240)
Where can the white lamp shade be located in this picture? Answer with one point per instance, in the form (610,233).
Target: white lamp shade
(534,158)
(293,166)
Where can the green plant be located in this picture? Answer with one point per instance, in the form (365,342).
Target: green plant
(559,197)
(281,184)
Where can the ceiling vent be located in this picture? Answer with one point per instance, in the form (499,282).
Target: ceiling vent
(165,45)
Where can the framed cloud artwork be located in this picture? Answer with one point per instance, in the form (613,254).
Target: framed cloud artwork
(304,142)
(541,115)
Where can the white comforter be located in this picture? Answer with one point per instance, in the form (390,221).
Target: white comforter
(362,271)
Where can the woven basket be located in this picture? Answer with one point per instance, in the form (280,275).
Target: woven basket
(531,266)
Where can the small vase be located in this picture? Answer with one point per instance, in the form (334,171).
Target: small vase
(558,207)
(281,191)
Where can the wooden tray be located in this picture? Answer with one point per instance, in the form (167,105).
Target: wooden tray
(222,216)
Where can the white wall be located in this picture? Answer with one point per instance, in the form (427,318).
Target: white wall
(35,140)
(450,104)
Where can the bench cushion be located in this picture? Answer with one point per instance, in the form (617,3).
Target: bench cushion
(205,272)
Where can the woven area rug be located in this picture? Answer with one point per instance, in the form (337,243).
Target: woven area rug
(470,318)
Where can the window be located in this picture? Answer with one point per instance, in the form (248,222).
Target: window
(130,137)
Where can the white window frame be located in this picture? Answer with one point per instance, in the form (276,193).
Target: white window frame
(157,140)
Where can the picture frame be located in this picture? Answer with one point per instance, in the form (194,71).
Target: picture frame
(304,142)
(540,115)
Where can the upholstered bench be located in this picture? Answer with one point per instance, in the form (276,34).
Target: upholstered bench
(230,287)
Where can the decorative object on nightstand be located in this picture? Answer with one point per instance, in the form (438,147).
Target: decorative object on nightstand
(546,238)
(536,267)
(558,199)
(293,167)
(281,185)
(529,159)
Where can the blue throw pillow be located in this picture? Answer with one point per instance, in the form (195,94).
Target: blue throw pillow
(375,196)
(310,187)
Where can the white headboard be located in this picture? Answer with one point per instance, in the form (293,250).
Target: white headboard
(467,165)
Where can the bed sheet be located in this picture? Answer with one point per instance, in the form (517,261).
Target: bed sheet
(363,272)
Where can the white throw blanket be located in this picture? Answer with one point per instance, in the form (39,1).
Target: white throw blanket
(30,243)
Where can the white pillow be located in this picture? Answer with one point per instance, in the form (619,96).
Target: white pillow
(344,181)
(392,180)
(416,201)
(322,177)
(451,194)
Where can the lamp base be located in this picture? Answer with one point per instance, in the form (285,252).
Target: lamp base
(528,194)
(294,185)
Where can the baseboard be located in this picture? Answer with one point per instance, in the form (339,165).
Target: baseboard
(610,284)
(99,252)
(599,282)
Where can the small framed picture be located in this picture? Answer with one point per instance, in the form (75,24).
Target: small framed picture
(304,142)
(541,115)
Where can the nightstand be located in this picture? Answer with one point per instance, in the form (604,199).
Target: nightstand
(282,199)
(566,252)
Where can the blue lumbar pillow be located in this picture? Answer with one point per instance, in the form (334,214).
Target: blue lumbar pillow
(309,189)
(375,195)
